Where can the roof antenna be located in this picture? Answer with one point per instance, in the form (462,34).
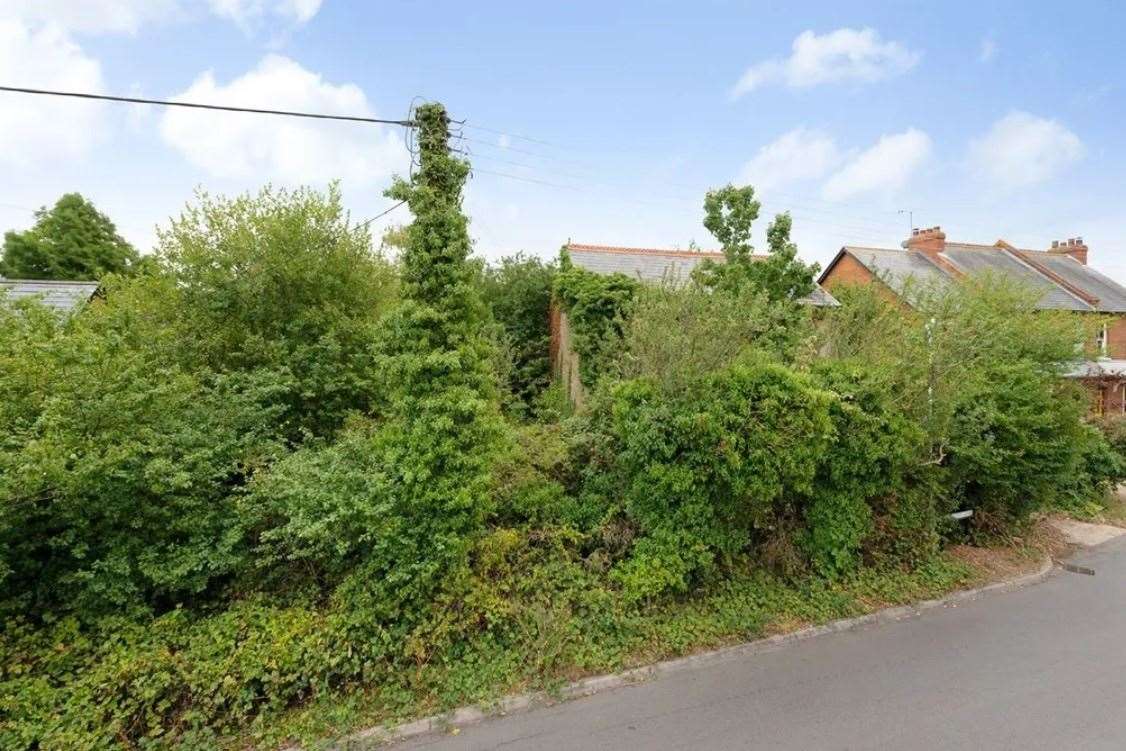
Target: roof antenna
(910,219)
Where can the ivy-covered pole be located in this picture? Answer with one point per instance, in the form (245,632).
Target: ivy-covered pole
(441,420)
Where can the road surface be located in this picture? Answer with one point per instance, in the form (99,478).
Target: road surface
(1040,668)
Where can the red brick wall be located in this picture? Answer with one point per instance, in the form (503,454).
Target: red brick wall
(1116,338)
(849,271)
(1107,397)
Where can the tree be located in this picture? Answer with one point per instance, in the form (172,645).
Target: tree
(729,213)
(72,240)
(518,292)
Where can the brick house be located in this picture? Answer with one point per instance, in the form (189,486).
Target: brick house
(1060,273)
(650,265)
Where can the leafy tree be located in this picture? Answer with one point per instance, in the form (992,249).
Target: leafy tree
(277,281)
(72,240)
(518,292)
(729,213)
(677,333)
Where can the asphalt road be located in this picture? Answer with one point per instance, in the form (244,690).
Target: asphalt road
(1040,668)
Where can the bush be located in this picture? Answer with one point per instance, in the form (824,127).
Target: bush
(870,478)
(116,478)
(713,469)
(518,292)
(678,332)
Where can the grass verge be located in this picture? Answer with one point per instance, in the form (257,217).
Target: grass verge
(568,646)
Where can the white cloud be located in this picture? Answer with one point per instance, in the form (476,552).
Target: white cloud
(128,16)
(798,155)
(844,55)
(247,12)
(886,166)
(39,127)
(988,50)
(92,16)
(1022,149)
(287,149)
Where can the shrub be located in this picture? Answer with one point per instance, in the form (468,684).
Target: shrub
(117,474)
(1013,442)
(869,476)
(678,332)
(518,292)
(713,469)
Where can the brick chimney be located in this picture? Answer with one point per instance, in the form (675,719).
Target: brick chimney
(1073,246)
(931,241)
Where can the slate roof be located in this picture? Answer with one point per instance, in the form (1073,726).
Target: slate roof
(655,264)
(1065,283)
(896,267)
(974,259)
(60,295)
(1109,296)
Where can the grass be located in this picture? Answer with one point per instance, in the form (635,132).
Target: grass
(1114,508)
(563,645)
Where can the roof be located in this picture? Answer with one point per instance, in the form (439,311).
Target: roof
(1109,296)
(1102,368)
(63,296)
(657,264)
(1064,282)
(973,259)
(896,267)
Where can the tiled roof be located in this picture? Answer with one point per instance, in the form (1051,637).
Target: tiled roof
(646,264)
(1064,282)
(655,264)
(62,296)
(898,268)
(973,259)
(1106,294)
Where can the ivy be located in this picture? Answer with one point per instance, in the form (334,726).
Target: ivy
(597,307)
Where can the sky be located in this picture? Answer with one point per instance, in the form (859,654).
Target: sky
(593,122)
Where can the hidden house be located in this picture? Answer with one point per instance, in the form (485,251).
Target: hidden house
(1060,274)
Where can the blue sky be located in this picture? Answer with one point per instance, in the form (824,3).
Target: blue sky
(990,119)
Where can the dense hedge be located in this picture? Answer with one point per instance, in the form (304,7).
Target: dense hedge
(275,469)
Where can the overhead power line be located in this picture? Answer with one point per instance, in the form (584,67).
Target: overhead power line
(202,106)
(506,133)
(380,215)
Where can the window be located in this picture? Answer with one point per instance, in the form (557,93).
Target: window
(1100,341)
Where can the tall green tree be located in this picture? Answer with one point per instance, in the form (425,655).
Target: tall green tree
(71,240)
(729,213)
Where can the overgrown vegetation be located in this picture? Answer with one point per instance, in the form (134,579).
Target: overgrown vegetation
(277,472)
